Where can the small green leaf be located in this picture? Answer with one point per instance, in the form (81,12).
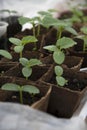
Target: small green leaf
(15,41)
(71,30)
(28,39)
(10,87)
(49,21)
(23,61)
(33,62)
(51,48)
(52,10)
(18,49)
(84,30)
(5,53)
(31,89)
(58,57)
(44,13)
(23,20)
(61,81)
(27,72)
(58,70)
(65,43)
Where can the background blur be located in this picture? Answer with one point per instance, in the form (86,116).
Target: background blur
(30,7)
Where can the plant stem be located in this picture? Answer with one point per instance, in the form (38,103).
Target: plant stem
(34,30)
(21,96)
(26,78)
(60,33)
(38,30)
(21,54)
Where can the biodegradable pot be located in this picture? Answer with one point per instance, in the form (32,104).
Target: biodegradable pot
(77,50)
(71,62)
(68,14)
(65,100)
(3,34)
(37,72)
(41,103)
(5,94)
(6,66)
(28,54)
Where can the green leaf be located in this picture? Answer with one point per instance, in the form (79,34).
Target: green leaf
(23,20)
(23,61)
(84,30)
(18,49)
(31,89)
(85,40)
(65,43)
(58,70)
(27,72)
(28,39)
(49,21)
(10,87)
(51,48)
(5,10)
(61,81)
(15,41)
(71,30)
(58,57)
(6,54)
(44,13)
(63,24)
(33,62)
(75,19)
(52,10)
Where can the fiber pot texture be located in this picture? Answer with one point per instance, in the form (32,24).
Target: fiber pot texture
(40,104)
(65,100)
(77,50)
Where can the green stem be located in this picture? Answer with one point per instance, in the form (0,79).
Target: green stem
(59,33)
(34,30)
(21,96)
(38,30)
(26,78)
(21,54)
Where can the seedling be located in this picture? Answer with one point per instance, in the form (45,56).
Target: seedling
(17,88)
(59,57)
(6,54)
(60,25)
(49,12)
(33,21)
(28,64)
(19,44)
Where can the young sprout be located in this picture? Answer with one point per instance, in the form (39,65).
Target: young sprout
(6,54)
(60,25)
(59,57)
(77,15)
(49,12)
(33,21)
(17,88)
(19,44)
(28,64)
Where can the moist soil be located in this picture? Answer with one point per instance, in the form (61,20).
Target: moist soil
(27,98)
